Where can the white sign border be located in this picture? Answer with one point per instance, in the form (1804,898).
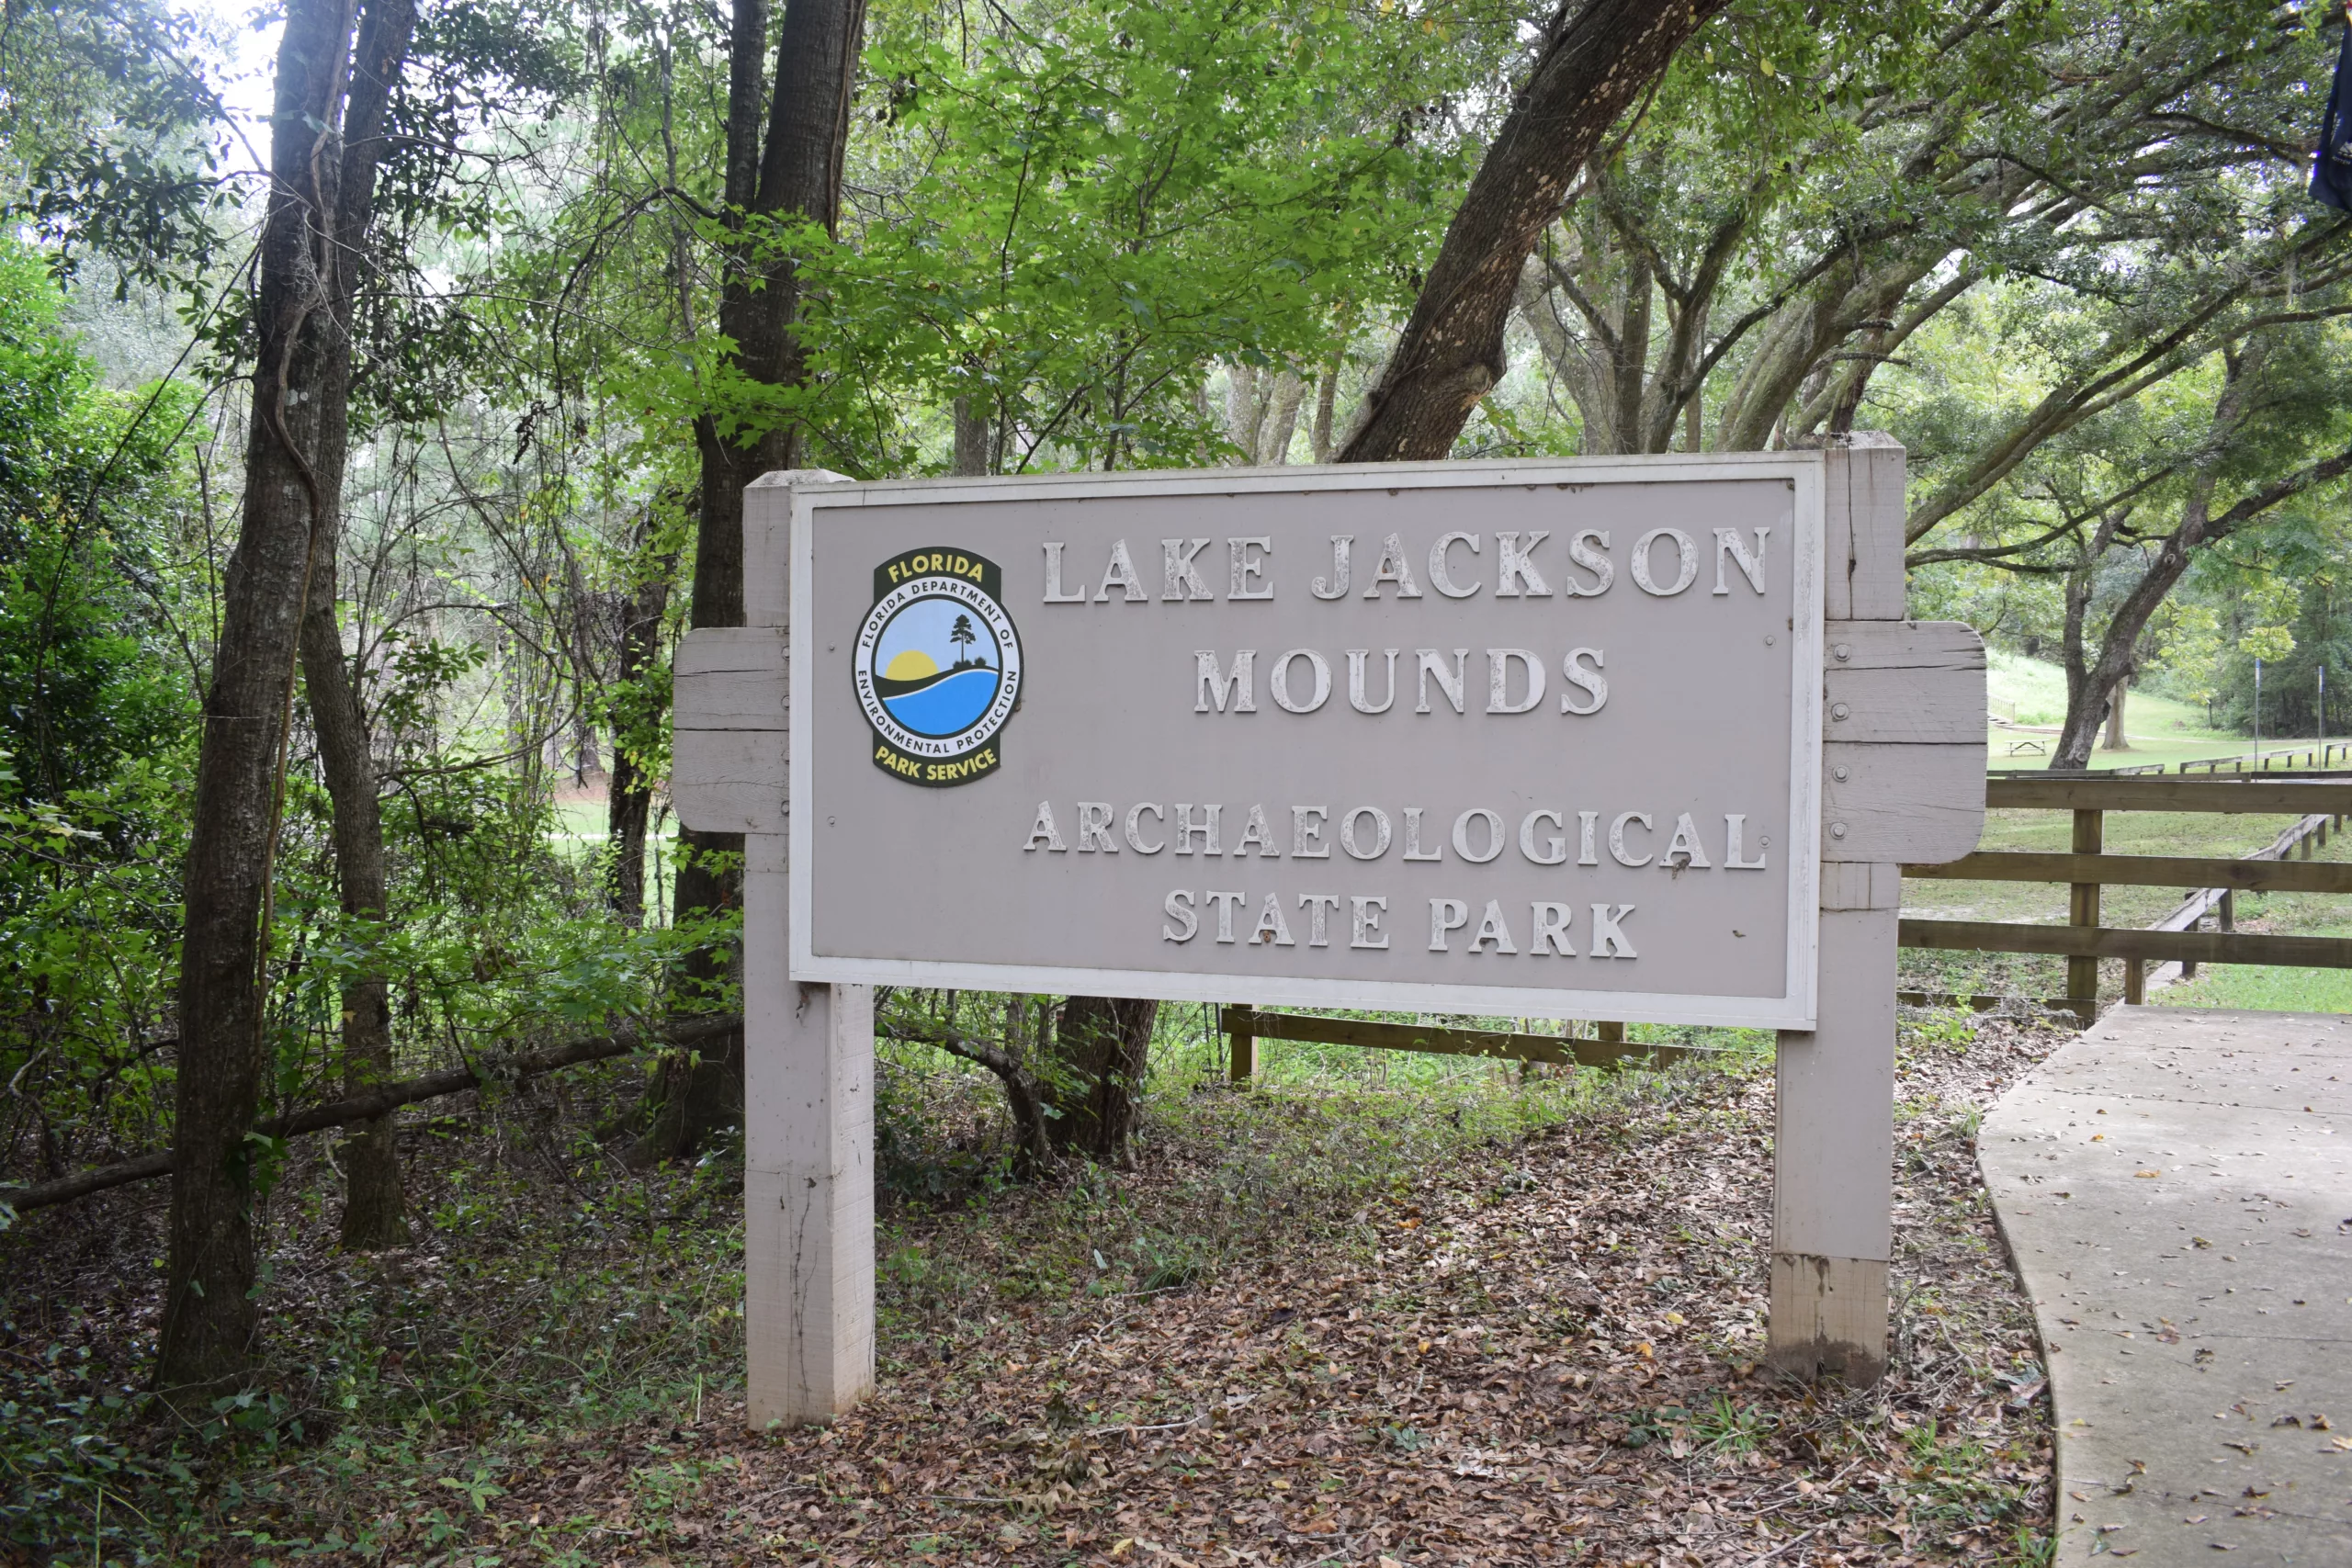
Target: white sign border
(1797,1010)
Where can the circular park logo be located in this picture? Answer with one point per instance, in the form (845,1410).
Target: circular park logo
(937,666)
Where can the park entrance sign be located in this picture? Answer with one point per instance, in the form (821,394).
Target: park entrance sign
(1630,739)
(1460,738)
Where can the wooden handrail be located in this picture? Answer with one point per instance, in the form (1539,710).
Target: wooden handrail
(2106,942)
(2255,793)
(2145,871)
(1245,1022)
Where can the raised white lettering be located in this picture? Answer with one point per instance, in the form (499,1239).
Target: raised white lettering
(1319,907)
(1255,831)
(1054,594)
(1336,585)
(1586,822)
(1617,837)
(1499,663)
(1735,831)
(1356,695)
(1135,832)
(1609,940)
(1685,843)
(1393,568)
(1551,929)
(1176,569)
(1495,835)
(1492,928)
(1594,685)
(1556,847)
(1043,831)
(1750,567)
(1515,569)
(1271,927)
(1206,830)
(1182,923)
(1247,569)
(1304,832)
(1348,833)
(1439,578)
(1433,663)
(1364,915)
(1225,901)
(1279,679)
(1446,915)
(1603,573)
(1121,574)
(1686,570)
(1094,827)
(1413,850)
(1212,682)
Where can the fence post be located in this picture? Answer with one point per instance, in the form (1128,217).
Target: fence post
(1609,1034)
(2135,982)
(2082,910)
(1239,1020)
(2229,909)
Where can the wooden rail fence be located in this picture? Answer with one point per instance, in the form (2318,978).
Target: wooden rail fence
(2320,803)
(2320,800)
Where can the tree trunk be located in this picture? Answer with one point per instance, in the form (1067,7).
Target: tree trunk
(972,440)
(1103,1047)
(1326,398)
(374,1208)
(1596,60)
(1282,418)
(2117,739)
(797,172)
(629,792)
(206,1336)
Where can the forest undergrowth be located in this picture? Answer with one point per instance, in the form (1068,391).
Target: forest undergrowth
(1487,1321)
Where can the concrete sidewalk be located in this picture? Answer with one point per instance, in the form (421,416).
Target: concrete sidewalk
(2176,1187)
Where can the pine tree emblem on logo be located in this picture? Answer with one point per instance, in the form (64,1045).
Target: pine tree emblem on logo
(937,666)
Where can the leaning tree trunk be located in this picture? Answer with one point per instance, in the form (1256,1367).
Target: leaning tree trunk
(1596,60)
(374,1209)
(796,172)
(1101,1051)
(205,1339)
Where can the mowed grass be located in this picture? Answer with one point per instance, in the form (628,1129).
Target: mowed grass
(2127,833)
(2262,988)
(2032,691)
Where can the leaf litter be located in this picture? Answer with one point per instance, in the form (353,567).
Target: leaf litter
(1536,1338)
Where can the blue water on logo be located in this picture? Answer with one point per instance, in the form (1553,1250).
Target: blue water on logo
(948,706)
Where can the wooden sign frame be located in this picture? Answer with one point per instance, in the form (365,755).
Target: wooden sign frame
(1901,781)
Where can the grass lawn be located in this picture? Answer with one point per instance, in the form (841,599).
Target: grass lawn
(2132,833)
(2262,988)
(2032,691)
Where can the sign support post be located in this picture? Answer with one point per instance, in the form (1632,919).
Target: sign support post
(1902,765)
(808,1049)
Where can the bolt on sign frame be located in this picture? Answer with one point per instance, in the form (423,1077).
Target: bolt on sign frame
(1635,737)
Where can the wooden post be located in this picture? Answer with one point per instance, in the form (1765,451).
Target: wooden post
(1902,765)
(2189,965)
(1244,1061)
(1833,1151)
(2082,910)
(807,1050)
(1609,1034)
(2135,982)
(2229,909)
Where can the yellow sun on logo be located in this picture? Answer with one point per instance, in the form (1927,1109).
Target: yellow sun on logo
(911,665)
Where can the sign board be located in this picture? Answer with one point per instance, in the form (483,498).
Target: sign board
(1520,738)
